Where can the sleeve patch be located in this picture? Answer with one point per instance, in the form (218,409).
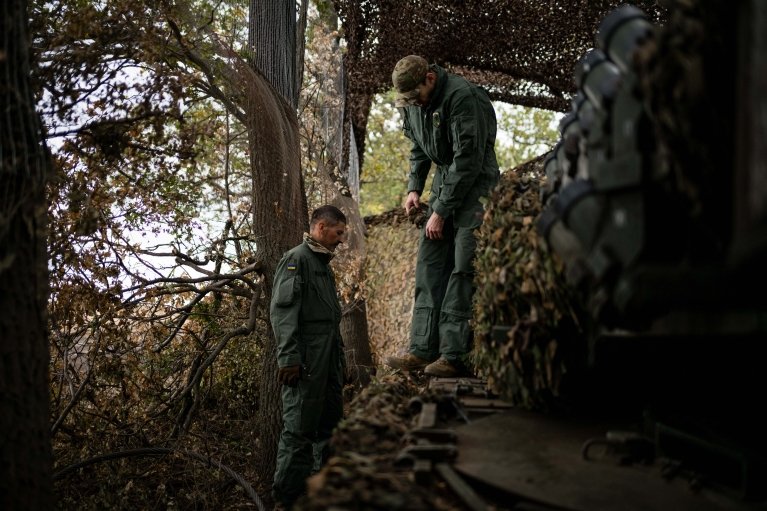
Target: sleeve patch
(285,292)
(292,266)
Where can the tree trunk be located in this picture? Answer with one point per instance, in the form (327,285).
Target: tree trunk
(279,205)
(279,220)
(354,331)
(25,452)
(272,43)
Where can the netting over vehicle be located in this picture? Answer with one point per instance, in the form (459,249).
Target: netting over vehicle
(522,51)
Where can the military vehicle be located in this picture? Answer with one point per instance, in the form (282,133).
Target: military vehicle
(656,200)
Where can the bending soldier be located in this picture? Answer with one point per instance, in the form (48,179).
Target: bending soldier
(452,123)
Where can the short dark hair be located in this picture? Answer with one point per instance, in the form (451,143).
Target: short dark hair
(330,214)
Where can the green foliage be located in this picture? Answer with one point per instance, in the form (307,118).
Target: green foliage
(150,211)
(383,181)
(321,112)
(523,134)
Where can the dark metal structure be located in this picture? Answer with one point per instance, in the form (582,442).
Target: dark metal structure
(655,201)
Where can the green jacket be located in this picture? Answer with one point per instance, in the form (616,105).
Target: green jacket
(304,312)
(457,132)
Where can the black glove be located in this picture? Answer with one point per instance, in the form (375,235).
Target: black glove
(289,375)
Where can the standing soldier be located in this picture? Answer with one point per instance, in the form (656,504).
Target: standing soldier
(452,123)
(306,316)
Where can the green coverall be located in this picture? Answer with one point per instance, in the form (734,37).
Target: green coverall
(457,132)
(306,316)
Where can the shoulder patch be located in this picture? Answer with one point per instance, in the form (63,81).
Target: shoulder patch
(292,266)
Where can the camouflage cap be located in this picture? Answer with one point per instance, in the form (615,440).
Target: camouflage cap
(408,74)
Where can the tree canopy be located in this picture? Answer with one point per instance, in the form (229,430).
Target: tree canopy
(162,238)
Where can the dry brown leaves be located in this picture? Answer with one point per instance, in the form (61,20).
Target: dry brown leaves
(362,474)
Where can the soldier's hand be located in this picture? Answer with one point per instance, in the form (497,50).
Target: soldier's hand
(434,227)
(289,375)
(413,202)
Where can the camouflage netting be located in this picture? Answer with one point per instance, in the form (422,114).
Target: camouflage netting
(520,288)
(364,472)
(527,328)
(392,246)
(522,51)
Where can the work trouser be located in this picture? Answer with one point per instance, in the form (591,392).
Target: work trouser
(310,411)
(444,284)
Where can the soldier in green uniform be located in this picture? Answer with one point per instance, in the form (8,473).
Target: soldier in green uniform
(305,316)
(451,122)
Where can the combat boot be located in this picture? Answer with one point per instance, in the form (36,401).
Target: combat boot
(442,368)
(409,362)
